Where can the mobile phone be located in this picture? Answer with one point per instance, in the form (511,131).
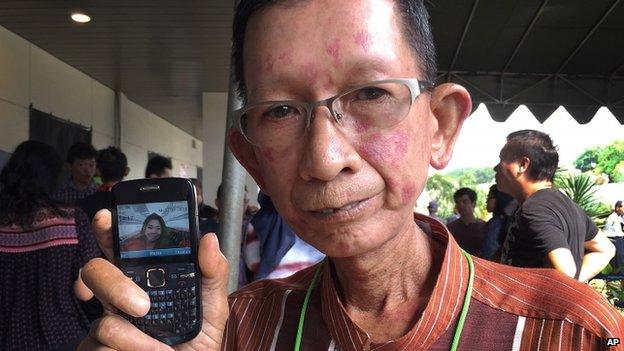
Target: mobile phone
(155,241)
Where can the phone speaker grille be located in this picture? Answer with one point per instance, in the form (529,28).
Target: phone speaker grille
(148,188)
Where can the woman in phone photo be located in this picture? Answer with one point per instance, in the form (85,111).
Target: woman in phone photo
(155,235)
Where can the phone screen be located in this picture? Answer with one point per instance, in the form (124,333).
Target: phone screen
(153,229)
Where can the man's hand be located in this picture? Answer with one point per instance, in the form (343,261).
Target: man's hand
(598,252)
(116,291)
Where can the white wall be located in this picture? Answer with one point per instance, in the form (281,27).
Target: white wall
(143,131)
(29,74)
(214,117)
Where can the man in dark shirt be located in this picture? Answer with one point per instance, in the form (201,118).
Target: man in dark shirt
(112,165)
(467,229)
(549,229)
(81,159)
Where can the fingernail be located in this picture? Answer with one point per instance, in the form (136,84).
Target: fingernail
(143,303)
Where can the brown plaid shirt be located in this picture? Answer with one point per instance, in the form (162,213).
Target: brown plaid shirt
(511,309)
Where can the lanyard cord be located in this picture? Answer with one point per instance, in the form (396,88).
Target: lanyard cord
(460,322)
(304,307)
(466,306)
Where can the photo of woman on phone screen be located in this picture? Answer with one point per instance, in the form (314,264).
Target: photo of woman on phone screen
(155,235)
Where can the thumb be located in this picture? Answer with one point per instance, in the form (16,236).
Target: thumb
(214,268)
(102,228)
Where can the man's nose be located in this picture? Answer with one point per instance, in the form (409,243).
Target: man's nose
(327,151)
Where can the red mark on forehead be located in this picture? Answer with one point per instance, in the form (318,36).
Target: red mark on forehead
(310,73)
(329,84)
(333,50)
(285,58)
(363,39)
(268,64)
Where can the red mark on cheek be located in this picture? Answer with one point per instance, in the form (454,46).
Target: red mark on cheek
(386,150)
(407,194)
(362,126)
(399,143)
(268,64)
(363,39)
(373,148)
(333,50)
(392,183)
(310,73)
(269,154)
(285,58)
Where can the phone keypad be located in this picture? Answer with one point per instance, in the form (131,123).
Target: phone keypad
(173,309)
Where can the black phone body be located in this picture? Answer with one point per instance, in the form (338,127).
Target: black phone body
(155,241)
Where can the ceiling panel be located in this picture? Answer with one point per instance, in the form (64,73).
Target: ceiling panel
(163,54)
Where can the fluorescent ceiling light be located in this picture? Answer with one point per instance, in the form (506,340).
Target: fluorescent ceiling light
(80,17)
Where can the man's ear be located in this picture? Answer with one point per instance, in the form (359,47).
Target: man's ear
(450,104)
(523,165)
(127,171)
(244,153)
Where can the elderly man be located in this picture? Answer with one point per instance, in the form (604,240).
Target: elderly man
(340,126)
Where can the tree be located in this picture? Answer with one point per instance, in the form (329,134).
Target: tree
(603,160)
(481,175)
(609,158)
(588,160)
(441,188)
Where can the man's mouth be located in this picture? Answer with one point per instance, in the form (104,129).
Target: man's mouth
(347,207)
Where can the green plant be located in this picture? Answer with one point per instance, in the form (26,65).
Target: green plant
(613,290)
(582,190)
(619,172)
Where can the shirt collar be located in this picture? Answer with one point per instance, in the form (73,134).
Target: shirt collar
(440,313)
(90,188)
(105,188)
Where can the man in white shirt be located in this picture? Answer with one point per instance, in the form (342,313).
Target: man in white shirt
(613,226)
(613,229)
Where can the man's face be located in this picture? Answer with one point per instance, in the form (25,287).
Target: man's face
(82,170)
(165,174)
(507,173)
(620,210)
(465,207)
(200,195)
(345,194)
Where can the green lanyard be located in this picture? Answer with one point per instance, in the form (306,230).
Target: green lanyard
(460,321)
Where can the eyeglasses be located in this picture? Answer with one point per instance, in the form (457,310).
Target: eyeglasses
(360,110)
